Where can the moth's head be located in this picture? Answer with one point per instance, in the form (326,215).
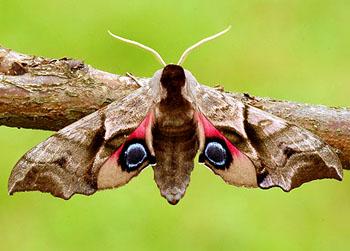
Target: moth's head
(173,77)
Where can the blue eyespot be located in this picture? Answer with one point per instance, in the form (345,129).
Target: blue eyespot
(216,154)
(134,156)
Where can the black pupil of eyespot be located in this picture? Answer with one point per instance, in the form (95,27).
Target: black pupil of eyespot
(216,154)
(134,156)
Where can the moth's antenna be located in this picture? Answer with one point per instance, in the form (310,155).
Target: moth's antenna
(156,54)
(188,50)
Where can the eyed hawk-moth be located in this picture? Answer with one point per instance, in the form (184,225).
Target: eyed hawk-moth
(164,124)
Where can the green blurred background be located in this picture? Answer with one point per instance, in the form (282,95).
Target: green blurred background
(296,50)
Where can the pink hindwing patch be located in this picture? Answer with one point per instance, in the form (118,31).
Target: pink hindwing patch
(239,170)
(113,172)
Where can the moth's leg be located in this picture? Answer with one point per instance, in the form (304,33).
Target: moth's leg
(130,75)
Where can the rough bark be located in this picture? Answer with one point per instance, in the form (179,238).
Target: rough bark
(41,93)
(49,94)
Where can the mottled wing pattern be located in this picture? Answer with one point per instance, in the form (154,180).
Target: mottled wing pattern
(61,164)
(289,155)
(284,154)
(66,163)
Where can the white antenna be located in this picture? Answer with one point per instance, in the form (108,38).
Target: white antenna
(156,54)
(188,50)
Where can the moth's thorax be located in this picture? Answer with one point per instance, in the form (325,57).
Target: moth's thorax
(173,110)
(173,116)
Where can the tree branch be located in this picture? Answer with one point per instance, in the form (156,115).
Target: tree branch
(49,94)
(41,93)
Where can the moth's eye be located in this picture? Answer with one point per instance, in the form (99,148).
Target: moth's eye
(216,154)
(134,156)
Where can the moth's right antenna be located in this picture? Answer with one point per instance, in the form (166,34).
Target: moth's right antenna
(155,53)
(188,50)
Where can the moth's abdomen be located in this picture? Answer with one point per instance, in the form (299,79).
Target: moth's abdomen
(175,148)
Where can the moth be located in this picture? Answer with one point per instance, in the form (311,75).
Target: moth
(164,124)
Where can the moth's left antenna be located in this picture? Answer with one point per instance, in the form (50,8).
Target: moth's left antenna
(154,52)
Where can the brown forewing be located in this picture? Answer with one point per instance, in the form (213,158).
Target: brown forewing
(68,162)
